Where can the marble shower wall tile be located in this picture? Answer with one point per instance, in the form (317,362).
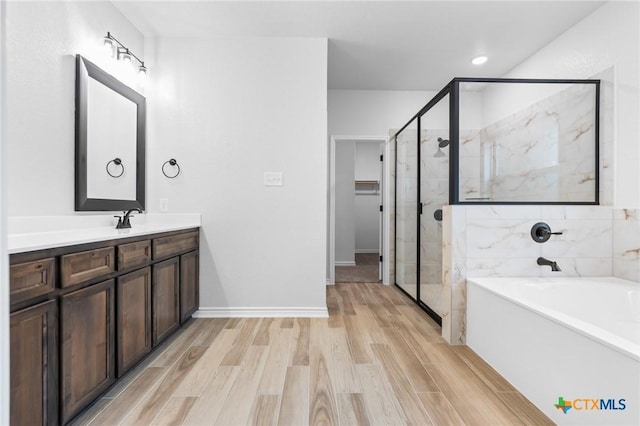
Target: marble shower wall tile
(471,173)
(626,244)
(543,152)
(434,194)
(406,216)
(607,135)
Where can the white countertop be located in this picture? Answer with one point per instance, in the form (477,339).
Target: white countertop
(38,233)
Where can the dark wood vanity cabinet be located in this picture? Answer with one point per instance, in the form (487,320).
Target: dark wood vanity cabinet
(84,266)
(34,360)
(82,316)
(32,279)
(189,285)
(133,318)
(166,298)
(87,346)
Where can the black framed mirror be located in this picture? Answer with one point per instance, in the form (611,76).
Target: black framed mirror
(110,142)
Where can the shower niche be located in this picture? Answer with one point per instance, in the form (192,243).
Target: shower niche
(488,141)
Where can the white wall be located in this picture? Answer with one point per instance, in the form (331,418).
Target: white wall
(372,112)
(610,36)
(229,110)
(367,211)
(4,257)
(42,39)
(345,235)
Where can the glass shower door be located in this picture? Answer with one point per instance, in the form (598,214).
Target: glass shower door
(406,210)
(434,194)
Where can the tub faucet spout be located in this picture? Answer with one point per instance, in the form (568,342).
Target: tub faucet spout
(546,262)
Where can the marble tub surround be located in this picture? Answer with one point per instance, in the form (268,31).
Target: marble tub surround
(626,244)
(495,241)
(30,233)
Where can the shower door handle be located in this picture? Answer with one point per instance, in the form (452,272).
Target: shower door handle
(437,215)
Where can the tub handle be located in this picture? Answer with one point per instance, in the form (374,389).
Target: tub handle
(541,232)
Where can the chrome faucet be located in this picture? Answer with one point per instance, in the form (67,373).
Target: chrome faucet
(546,262)
(123,221)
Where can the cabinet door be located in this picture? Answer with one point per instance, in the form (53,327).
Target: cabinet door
(134,318)
(87,346)
(166,298)
(189,285)
(34,365)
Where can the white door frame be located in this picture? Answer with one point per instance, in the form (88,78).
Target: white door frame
(332,201)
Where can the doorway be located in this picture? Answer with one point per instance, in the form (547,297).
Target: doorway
(357,220)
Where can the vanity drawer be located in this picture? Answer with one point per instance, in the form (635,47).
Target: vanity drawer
(134,254)
(166,246)
(79,267)
(32,279)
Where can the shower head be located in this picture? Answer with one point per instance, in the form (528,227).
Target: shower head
(443,142)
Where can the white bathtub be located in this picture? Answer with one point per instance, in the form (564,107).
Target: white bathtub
(575,338)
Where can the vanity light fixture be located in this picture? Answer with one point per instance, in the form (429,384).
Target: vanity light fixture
(124,54)
(479,60)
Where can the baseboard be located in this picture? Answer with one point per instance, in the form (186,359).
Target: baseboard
(261,313)
(345,263)
(362,251)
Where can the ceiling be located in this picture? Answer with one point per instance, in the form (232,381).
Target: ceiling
(379,45)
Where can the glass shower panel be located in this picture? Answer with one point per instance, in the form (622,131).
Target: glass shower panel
(434,194)
(406,209)
(527,142)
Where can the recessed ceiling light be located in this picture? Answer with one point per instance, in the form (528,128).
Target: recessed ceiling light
(479,60)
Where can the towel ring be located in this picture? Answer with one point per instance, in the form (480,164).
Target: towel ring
(171,162)
(118,162)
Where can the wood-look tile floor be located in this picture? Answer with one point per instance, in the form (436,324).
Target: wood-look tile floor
(377,360)
(365,271)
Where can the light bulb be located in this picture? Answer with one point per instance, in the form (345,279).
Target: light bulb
(109,46)
(124,55)
(142,75)
(479,60)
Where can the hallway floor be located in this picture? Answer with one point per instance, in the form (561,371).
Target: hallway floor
(365,271)
(377,359)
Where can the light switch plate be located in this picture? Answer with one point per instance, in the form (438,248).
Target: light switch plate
(164,204)
(272,178)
